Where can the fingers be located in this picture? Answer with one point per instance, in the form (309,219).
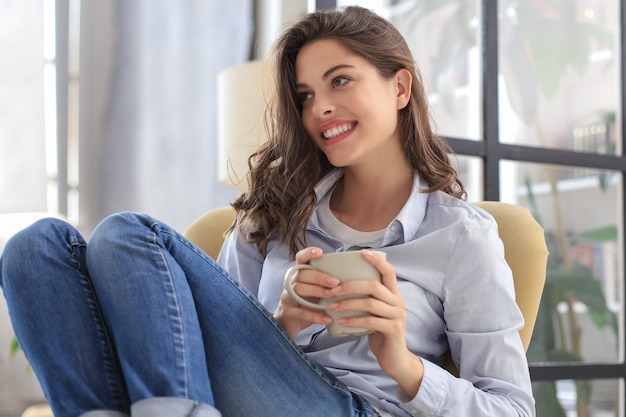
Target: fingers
(312,283)
(305,255)
(387,271)
(381,300)
(389,307)
(308,284)
(385,290)
(294,317)
(386,320)
(294,311)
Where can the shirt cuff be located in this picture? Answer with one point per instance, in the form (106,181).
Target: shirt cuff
(431,394)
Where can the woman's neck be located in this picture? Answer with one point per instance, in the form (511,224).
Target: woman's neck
(371,200)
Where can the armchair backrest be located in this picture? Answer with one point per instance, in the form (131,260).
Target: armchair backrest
(526,252)
(207,231)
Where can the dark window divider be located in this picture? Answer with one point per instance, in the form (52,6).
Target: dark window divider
(324,4)
(491,113)
(537,155)
(550,372)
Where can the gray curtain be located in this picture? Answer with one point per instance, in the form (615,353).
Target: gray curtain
(148,104)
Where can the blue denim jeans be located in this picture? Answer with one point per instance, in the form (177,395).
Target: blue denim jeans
(141,317)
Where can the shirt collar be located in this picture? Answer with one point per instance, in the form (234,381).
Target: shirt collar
(406,223)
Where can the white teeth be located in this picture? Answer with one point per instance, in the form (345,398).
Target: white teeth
(336,131)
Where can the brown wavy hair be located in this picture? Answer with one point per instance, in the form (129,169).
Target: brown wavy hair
(284,171)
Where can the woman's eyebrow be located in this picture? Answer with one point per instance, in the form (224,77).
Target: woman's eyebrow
(335,68)
(327,73)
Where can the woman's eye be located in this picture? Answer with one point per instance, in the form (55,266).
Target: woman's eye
(304,96)
(339,81)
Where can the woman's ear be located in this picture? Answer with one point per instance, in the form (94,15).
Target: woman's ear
(404,82)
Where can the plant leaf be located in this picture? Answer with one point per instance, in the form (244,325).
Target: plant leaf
(547,403)
(581,284)
(603,234)
(15,346)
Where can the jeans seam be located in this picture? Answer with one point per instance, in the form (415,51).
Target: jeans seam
(173,308)
(113,383)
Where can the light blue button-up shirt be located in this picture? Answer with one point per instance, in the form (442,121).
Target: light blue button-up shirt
(459,294)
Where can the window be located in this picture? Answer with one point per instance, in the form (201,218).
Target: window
(529,96)
(39,152)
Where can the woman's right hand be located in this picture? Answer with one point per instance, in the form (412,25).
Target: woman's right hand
(311,285)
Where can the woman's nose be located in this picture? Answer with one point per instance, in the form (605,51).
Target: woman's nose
(322,106)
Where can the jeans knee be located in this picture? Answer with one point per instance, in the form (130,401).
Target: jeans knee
(36,237)
(117,231)
(32,246)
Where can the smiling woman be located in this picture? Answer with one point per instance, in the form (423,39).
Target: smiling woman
(351,164)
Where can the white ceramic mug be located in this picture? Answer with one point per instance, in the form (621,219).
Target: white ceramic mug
(345,266)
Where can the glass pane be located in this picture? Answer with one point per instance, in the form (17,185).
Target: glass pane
(23,177)
(444,38)
(559,74)
(580,211)
(580,398)
(470,170)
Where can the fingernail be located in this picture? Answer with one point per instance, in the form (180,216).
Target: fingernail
(336,290)
(332,281)
(332,306)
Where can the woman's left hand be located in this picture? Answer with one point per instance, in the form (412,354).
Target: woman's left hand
(387,319)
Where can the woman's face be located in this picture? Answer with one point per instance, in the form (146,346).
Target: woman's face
(348,108)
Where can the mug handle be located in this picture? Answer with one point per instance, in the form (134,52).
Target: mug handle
(292,272)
